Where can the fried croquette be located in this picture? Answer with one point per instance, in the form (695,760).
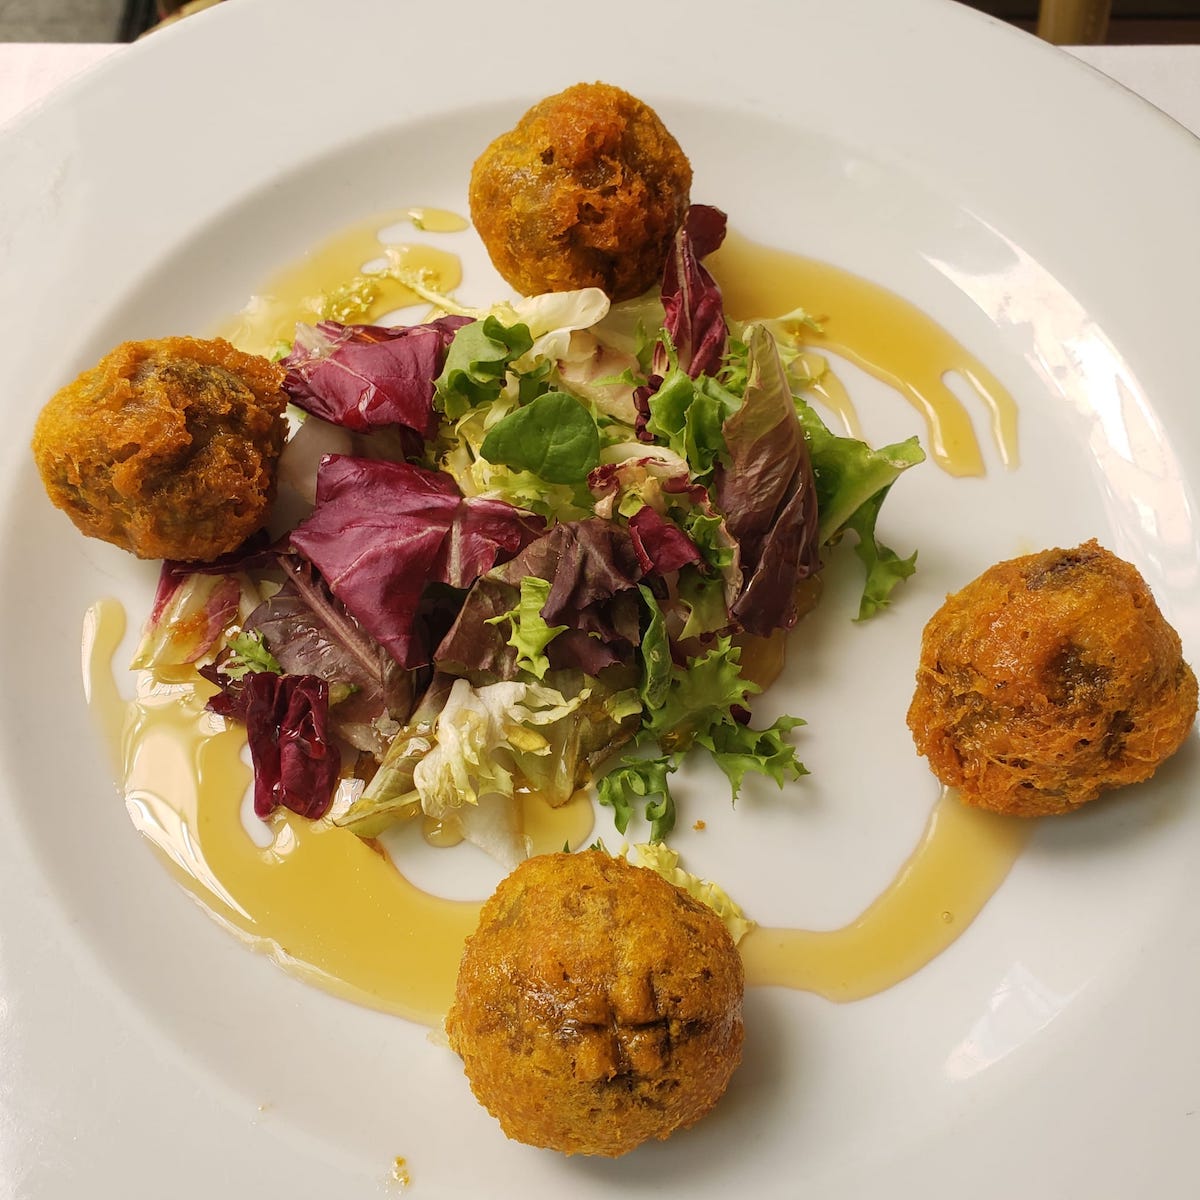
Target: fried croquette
(597,1005)
(586,191)
(166,448)
(1049,679)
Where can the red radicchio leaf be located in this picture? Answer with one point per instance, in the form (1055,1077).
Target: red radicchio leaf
(695,315)
(705,227)
(604,482)
(364,377)
(660,544)
(680,485)
(309,632)
(382,531)
(191,610)
(295,762)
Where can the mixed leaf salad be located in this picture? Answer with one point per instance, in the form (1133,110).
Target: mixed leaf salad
(538,540)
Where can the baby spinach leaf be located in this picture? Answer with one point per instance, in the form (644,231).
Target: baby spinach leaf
(553,436)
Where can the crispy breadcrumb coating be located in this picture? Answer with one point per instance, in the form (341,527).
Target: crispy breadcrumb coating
(597,1005)
(166,448)
(1048,680)
(587,191)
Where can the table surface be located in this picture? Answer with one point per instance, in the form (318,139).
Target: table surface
(1167,76)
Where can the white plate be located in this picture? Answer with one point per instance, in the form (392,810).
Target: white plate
(1041,213)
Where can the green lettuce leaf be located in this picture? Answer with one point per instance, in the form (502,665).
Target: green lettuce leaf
(693,706)
(529,634)
(553,436)
(521,489)
(249,653)
(739,750)
(688,414)
(885,568)
(636,779)
(391,796)
(477,364)
(853,481)
(656,656)
(467,764)
(701,696)
(703,599)
(849,472)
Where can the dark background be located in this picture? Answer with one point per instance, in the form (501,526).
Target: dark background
(1129,21)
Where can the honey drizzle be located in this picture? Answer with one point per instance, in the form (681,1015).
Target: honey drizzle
(302,290)
(319,901)
(963,857)
(878,331)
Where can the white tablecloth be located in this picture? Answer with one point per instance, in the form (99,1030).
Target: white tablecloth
(1167,76)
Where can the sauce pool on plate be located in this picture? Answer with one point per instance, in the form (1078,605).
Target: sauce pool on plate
(347,269)
(878,331)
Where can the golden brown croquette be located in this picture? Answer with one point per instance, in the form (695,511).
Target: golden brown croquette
(586,191)
(597,1005)
(1049,679)
(166,448)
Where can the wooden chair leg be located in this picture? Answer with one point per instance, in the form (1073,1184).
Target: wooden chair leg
(1074,22)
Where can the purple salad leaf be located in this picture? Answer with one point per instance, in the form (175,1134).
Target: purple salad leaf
(659,543)
(296,762)
(309,632)
(191,611)
(575,650)
(695,314)
(256,552)
(478,643)
(364,377)
(382,532)
(768,494)
(593,571)
(590,564)
(705,227)
(477,640)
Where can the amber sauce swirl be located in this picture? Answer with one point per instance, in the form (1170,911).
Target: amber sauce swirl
(881,332)
(390,945)
(306,290)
